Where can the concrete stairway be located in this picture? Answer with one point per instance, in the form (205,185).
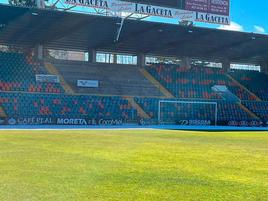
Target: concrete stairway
(140,111)
(2,112)
(248,111)
(156,83)
(52,70)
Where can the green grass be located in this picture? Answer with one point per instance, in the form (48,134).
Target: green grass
(151,165)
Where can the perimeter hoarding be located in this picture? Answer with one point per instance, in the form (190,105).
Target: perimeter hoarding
(211,11)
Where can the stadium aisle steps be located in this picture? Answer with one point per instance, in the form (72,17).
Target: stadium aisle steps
(260,108)
(2,112)
(243,87)
(156,83)
(253,115)
(140,111)
(52,70)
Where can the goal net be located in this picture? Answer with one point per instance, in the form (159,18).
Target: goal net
(187,112)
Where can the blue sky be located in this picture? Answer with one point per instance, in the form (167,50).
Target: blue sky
(251,15)
(246,15)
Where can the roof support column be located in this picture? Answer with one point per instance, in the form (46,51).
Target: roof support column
(115,58)
(186,62)
(264,67)
(39,52)
(141,60)
(92,54)
(226,64)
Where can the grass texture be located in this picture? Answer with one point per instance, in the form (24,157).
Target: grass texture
(133,165)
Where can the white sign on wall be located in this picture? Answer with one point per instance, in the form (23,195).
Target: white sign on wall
(47,78)
(88,83)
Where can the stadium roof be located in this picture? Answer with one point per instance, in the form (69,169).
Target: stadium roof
(58,29)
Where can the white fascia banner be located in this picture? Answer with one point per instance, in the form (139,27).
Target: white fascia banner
(129,7)
(212,18)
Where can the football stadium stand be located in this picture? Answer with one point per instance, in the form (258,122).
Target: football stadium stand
(22,96)
(35,85)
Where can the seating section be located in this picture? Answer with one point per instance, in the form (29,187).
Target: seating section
(18,74)
(232,111)
(66,106)
(255,81)
(18,88)
(195,82)
(125,80)
(259,108)
(227,111)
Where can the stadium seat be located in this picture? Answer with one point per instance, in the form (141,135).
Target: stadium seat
(66,106)
(254,81)
(195,82)
(227,111)
(18,74)
(260,108)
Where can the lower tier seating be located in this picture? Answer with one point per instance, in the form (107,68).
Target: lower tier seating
(103,107)
(227,111)
(66,106)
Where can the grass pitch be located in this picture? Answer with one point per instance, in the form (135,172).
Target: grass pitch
(151,165)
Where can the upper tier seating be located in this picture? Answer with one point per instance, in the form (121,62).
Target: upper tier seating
(227,111)
(255,81)
(123,80)
(259,108)
(18,74)
(66,106)
(195,82)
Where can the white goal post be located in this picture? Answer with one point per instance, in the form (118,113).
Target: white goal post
(175,108)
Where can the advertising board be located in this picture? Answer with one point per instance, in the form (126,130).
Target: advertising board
(210,11)
(218,7)
(60,121)
(88,83)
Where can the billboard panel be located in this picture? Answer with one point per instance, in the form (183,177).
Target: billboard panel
(218,7)
(130,7)
(210,11)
